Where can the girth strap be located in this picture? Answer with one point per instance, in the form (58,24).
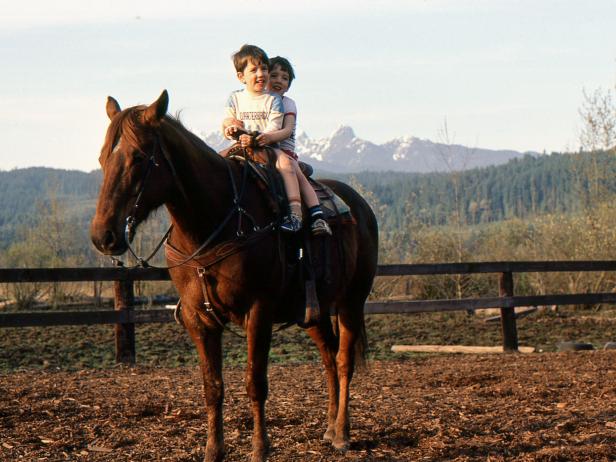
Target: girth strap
(214,255)
(208,306)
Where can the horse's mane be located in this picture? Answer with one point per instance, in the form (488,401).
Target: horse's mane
(200,148)
(129,125)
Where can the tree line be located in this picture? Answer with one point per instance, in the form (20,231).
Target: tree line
(522,188)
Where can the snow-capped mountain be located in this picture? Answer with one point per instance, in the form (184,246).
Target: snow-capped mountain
(342,151)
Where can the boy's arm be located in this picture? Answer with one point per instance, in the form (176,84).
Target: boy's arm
(275,119)
(230,126)
(230,122)
(288,125)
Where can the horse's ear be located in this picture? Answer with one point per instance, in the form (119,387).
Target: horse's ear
(112,107)
(157,110)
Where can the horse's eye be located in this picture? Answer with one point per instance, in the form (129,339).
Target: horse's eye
(137,159)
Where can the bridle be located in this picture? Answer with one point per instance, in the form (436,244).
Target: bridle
(236,209)
(131,220)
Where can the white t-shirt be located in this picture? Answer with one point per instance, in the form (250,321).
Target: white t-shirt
(289,109)
(262,113)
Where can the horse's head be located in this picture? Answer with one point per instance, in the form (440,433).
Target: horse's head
(136,176)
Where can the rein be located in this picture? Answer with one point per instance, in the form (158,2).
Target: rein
(236,208)
(213,255)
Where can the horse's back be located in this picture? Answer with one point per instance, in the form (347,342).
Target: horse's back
(360,209)
(367,241)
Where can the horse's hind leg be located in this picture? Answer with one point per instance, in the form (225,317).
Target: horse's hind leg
(259,333)
(326,342)
(349,333)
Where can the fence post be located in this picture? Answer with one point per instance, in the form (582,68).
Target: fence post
(124,300)
(508,322)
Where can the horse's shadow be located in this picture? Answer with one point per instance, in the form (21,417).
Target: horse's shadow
(391,438)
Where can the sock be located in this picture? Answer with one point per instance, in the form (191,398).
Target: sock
(296,208)
(315,213)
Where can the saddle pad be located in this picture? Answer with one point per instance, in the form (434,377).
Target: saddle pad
(333,206)
(331,203)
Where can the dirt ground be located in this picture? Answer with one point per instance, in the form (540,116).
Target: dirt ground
(536,407)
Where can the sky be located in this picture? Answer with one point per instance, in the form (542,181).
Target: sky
(500,74)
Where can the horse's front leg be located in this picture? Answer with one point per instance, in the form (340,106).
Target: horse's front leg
(259,335)
(207,338)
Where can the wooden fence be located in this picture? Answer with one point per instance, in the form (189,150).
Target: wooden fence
(125,316)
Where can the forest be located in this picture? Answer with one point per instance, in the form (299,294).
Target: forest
(523,189)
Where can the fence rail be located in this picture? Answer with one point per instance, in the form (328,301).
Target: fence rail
(125,316)
(423,269)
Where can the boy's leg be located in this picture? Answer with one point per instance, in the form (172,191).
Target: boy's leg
(287,168)
(315,213)
(308,194)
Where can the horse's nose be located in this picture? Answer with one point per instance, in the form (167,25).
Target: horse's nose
(108,240)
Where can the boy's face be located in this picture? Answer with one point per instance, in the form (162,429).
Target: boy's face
(279,80)
(254,76)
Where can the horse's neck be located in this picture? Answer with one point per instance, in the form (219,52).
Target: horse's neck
(205,196)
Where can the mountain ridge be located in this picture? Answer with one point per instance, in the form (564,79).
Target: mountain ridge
(344,152)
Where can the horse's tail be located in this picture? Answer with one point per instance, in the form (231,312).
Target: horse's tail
(366,264)
(361,347)
(366,270)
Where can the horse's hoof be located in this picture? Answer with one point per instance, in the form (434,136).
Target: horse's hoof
(214,455)
(259,455)
(340,444)
(260,452)
(329,435)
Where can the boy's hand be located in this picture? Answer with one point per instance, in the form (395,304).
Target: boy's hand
(233,125)
(245,141)
(230,131)
(264,139)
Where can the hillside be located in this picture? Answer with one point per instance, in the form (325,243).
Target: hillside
(24,191)
(520,188)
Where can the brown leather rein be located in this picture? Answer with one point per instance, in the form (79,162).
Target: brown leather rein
(204,256)
(202,253)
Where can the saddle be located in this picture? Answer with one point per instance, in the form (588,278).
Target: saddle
(308,259)
(263,166)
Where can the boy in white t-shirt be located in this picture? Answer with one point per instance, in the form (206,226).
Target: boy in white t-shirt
(280,77)
(257,109)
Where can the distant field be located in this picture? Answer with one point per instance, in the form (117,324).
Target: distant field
(167,345)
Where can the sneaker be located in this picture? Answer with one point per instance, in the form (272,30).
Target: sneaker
(320,227)
(291,223)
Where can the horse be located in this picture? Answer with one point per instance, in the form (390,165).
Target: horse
(149,159)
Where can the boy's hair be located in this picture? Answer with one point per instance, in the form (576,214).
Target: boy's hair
(247,54)
(284,64)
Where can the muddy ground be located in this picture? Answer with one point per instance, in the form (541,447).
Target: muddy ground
(536,407)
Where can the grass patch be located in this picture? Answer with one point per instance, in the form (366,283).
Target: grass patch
(168,345)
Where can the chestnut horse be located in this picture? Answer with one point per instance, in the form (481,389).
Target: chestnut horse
(149,159)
